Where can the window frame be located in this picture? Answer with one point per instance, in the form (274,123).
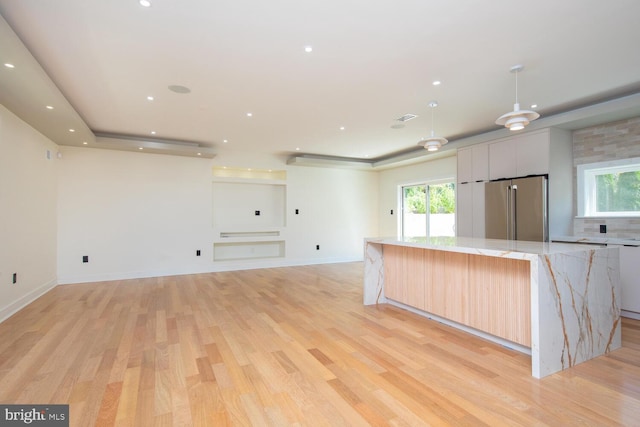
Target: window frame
(426,184)
(586,186)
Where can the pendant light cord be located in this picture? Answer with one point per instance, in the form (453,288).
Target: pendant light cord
(516,87)
(432,133)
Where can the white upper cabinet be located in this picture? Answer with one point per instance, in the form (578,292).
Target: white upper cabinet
(473,170)
(521,155)
(473,163)
(465,165)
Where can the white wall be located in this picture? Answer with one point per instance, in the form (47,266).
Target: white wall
(133,214)
(141,215)
(392,179)
(27,213)
(337,210)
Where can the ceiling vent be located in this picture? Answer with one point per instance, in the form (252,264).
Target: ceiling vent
(406,117)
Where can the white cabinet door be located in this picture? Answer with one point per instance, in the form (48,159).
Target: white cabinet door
(478,209)
(464,210)
(502,159)
(480,162)
(521,155)
(630,278)
(470,210)
(465,165)
(473,163)
(532,154)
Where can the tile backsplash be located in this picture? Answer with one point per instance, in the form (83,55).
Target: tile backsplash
(616,227)
(610,141)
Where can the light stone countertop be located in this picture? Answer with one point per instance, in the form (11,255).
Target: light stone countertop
(597,240)
(515,249)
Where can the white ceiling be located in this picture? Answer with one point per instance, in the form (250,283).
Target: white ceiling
(372,62)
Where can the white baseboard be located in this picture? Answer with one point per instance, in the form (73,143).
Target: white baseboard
(630,314)
(14,307)
(213,268)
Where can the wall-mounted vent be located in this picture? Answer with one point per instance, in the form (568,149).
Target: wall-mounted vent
(406,117)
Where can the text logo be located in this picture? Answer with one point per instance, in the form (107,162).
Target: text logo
(34,415)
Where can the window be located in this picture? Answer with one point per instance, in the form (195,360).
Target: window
(428,216)
(609,188)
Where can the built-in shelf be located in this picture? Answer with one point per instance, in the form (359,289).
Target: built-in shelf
(249,173)
(249,213)
(230,251)
(249,234)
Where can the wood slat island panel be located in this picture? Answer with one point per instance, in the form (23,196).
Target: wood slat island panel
(557,302)
(490,294)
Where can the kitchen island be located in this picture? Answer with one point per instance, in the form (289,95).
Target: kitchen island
(558,302)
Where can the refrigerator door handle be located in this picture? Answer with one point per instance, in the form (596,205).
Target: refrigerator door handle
(514,205)
(510,217)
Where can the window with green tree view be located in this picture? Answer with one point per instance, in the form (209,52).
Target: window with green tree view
(609,188)
(428,216)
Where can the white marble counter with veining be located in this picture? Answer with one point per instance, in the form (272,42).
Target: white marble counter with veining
(626,241)
(515,249)
(575,292)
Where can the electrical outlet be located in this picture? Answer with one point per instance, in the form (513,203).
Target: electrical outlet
(391,211)
(317,247)
(198,252)
(603,228)
(297,211)
(85,258)
(257,213)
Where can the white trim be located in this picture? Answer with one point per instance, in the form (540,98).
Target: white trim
(586,186)
(20,303)
(215,267)
(630,314)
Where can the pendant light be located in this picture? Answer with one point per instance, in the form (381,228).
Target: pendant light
(432,143)
(517,119)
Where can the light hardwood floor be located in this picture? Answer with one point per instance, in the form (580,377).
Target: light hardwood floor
(286,346)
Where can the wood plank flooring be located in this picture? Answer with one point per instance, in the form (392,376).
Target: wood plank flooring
(286,346)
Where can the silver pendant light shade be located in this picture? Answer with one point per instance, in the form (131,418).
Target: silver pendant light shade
(517,119)
(433,143)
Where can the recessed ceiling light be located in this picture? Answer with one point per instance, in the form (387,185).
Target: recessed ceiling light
(308,49)
(145,3)
(139,148)
(72,130)
(297,148)
(150,98)
(406,117)
(153,132)
(341,127)
(9,65)
(179,89)
(85,143)
(437,82)
(224,141)
(49,107)
(199,154)
(534,105)
(249,114)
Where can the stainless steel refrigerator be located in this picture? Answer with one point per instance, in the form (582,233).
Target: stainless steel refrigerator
(516,209)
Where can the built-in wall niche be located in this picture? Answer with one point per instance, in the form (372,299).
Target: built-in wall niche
(248,206)
(249,173)
(247,250)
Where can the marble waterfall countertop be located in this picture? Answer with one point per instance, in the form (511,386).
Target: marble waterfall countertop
(515,249)
(575,292)
(625,241)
